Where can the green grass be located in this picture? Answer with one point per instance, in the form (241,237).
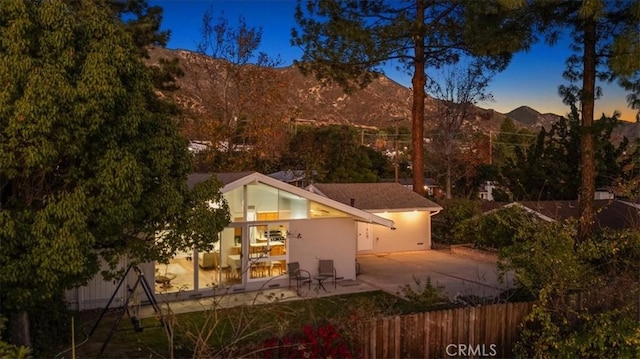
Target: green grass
(234,331)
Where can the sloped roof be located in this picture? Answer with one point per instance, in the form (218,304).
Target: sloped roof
(609,213)
(237,179)
(224,178)
(375,196)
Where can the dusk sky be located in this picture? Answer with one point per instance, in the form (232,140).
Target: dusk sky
(531,79)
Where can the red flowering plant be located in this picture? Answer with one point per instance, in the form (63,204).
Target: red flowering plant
(322,341)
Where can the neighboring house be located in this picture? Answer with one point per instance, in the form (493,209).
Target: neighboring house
(296,178)
(485,191)
(430,186)
(410,212)
(273,223)
(614,214)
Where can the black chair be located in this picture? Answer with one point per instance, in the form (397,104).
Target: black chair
(326,269)
(301,276)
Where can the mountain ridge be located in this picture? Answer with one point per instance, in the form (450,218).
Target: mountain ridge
(384,103)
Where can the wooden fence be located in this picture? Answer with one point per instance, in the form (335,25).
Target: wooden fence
(483,331)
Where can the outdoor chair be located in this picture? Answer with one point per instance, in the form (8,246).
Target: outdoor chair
(326,269)
(301,276)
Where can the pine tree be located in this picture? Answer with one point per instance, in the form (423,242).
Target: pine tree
(349,42)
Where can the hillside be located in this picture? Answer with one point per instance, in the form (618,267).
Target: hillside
(382,104)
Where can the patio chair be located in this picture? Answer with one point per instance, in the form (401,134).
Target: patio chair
(326,269)
(301,276)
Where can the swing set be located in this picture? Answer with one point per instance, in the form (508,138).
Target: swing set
(135,321)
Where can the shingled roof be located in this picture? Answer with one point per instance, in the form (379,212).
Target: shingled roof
(374,196)
(614,214)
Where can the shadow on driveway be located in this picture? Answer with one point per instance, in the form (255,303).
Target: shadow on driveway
(458,275)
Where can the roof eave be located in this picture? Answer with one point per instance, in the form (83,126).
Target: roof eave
(359,214)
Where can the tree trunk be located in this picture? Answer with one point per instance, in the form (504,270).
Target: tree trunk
(587,187)
(20,333)
(418,81)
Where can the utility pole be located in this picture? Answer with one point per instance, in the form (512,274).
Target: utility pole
(396,152)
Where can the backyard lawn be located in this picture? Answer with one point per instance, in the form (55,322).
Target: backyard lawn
(239,331)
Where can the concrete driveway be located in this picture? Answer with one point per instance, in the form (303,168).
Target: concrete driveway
(458,275)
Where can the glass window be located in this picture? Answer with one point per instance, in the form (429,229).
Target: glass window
(318,210)
(234,200)
(267,250)
(291,206)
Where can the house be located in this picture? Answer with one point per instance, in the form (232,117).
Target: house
(610,213)
(298,178)
(273,223)
(431,188)
(485,191)
(410,212)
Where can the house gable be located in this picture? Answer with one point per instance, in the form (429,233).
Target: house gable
(232,181)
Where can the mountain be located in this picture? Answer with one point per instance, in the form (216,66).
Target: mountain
(532,118)
(382,104)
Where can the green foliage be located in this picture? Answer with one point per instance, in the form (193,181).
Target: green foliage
(349,43)
(546,170)
(334,154)
(91,163)
(507,140)
(497,229)
(454,212)
(587,292)
(50,325)
(611,334)
(8,350)
(422,297)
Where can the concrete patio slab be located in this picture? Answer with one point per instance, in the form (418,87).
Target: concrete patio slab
(388,272)
(458,275)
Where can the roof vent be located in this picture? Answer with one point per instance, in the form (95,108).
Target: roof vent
(353,202)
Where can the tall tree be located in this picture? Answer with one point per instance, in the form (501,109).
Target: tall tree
(349,42)
(547,171)
(91,164)
(606,41)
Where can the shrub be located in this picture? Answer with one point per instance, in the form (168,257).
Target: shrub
(494,230)
(423,297)
(454,212)
(587,292)
(9,350)
(322,341)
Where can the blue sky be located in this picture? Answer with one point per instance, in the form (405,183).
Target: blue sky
(531,79)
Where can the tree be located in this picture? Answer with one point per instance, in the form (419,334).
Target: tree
(605,38)
(546,169)
(349,42)
(247,95)
(334,154)
(458,93)
(91,164)
(507,140)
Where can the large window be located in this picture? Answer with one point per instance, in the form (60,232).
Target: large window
(266,203)
(267,250)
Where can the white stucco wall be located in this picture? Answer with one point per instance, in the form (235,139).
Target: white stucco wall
(333,238)
(412,233)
